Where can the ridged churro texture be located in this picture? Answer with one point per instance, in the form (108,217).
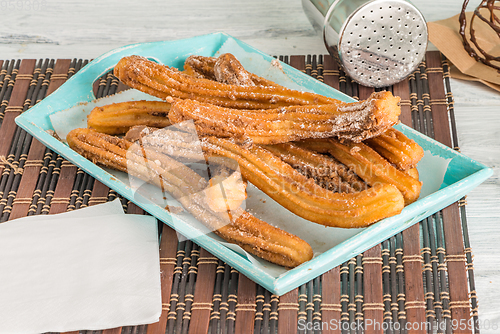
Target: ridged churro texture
(368,165)
(301,195)
(225,69)
(239,227)
(163,81)
(355,121)
(303,181)
(331,162)
(118,118)
(400,150)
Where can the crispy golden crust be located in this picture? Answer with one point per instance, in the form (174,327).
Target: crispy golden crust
(353,121)
(400,150)
(368,165)
(163,81)
(225,69)
(268,168)
(303,196)
(326,171)
(240,227)
(266,241)
(118,118)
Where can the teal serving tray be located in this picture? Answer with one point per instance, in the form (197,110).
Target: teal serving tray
(461,174)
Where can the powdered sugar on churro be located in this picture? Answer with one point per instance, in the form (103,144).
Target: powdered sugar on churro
(355,121)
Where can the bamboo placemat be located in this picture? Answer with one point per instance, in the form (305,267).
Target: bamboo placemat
(422,275)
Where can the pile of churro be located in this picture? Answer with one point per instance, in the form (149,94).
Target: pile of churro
(333,163)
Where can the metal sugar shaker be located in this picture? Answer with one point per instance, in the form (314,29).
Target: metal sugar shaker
(377,42)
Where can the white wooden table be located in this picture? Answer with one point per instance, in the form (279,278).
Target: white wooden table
(86,29)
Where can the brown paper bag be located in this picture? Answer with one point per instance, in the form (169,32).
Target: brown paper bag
(445,36)
(455,73)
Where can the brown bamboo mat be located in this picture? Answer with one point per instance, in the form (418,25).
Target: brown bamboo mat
(424,274)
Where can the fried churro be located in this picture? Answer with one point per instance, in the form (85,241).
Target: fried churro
(240,227)
(333,163)
(266,167)
(303,196)
(355,121)
(118,118)
(400,150)
(225,69)
(368,165)
(163,81)
(324,170)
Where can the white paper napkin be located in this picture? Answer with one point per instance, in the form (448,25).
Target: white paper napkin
(92,268)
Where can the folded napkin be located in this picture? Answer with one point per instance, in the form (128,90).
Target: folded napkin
(445,36)
(92,268)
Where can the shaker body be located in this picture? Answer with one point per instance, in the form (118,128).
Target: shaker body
(377,42)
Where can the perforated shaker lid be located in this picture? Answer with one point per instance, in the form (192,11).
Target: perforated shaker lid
(382,42)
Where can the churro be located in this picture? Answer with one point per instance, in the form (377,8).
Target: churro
(118,118)
(355,121)
(323,169)
(225,69)
(302,195)
(163,81)
(368,165)
(400,150)
(240,227)
(265,167)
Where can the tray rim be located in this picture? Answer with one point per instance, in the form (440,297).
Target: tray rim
(296,276)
